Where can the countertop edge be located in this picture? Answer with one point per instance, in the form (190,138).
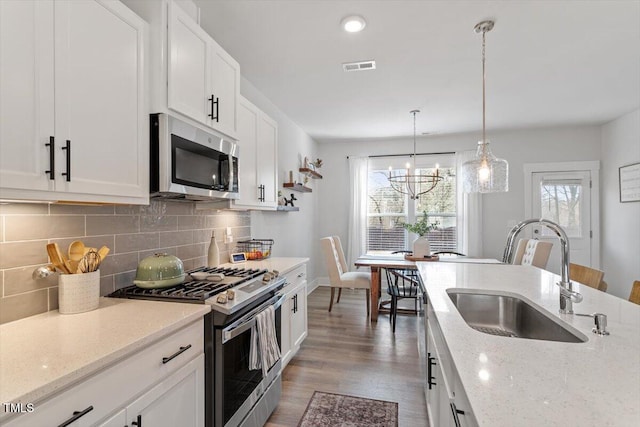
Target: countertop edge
(76,376)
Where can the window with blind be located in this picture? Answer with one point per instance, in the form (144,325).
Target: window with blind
(388,209)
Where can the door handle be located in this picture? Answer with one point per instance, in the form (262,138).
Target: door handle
(176,354)
(430,362)
(67,148)
(76,416)
(52,158)
(215,108)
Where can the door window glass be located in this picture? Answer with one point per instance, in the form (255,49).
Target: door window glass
(561,202)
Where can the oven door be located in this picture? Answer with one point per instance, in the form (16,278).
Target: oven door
(238,389)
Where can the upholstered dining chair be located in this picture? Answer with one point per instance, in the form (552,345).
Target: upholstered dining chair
(532,252)
(634,296)
(587,276)
(339,274)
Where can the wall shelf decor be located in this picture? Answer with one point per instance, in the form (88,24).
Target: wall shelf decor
(310,172)
(288,209)
(297,187)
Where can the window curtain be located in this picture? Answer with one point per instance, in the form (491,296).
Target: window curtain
(358,178)
(469,217)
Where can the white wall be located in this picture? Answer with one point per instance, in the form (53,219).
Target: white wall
(516,146)
(620,221)
(294,232)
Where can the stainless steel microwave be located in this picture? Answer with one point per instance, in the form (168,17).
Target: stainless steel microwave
(190,163)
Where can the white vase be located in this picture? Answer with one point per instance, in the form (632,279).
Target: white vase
(421,247)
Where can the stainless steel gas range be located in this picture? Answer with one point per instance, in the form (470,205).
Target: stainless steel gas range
(234,394)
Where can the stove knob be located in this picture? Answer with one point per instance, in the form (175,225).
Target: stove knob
(222,298)
(231,294)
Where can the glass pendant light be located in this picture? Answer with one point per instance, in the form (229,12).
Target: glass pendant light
(486,173)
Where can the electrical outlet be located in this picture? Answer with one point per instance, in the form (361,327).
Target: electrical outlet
(228,238)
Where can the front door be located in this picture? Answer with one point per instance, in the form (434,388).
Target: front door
(564,198)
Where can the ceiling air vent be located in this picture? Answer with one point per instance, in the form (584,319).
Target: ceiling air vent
(359,66)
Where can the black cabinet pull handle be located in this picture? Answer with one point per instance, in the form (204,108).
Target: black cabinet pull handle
(176,354)
(455,411)
(212,103)
(215,108)
(430,362)
(261,193)
(67,148)
(137,422)
(52,158)
(76,415)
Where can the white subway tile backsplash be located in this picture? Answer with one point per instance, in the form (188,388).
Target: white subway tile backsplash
(118,224)
(136,242)
(32,227)
(131,232)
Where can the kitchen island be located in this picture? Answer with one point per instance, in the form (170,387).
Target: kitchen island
(527,382)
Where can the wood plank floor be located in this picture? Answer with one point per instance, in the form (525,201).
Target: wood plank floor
(345,353)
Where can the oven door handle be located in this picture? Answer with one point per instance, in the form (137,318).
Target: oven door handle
(246,322)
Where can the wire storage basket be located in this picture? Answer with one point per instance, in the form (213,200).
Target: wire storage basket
(255,248)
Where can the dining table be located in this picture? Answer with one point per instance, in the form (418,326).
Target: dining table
(378,261)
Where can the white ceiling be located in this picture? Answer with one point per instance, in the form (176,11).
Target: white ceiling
(548,62)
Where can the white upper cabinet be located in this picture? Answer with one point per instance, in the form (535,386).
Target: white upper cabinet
(203,79)
(258,141)
(225,89)
(189,65)
(26,95)
(72,99)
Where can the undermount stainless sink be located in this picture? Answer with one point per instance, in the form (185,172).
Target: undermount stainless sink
(510,316)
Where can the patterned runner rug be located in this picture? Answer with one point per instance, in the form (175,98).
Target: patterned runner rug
(339,410)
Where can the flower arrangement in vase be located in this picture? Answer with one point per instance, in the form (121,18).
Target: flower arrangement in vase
(422,227)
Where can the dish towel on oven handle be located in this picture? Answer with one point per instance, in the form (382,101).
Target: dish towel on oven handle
(264,351)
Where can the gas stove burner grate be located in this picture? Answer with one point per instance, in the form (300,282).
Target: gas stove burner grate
(193,290)
(232,272)
(189,291)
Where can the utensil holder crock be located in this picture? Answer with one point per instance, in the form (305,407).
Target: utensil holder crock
(78,293)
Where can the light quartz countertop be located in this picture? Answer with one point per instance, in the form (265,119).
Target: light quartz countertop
(282,264)
(525,382)
(43,354)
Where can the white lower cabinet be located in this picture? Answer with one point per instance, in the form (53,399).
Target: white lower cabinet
(160,385)
(447,403)
(294,313)
(177,401)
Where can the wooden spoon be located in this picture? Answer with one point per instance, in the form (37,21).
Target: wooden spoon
(103,252)
(76,250)
(53,250)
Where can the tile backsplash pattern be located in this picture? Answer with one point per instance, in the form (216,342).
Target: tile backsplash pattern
(131,232)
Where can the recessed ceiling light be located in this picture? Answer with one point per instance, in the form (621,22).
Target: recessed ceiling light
(353,23)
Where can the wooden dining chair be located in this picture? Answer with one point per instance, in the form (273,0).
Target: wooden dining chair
(587,276)
(532,252)
(634,296)
(339,275)
(402,284)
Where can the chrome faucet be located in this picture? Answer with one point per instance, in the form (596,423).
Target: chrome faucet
(567,295)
